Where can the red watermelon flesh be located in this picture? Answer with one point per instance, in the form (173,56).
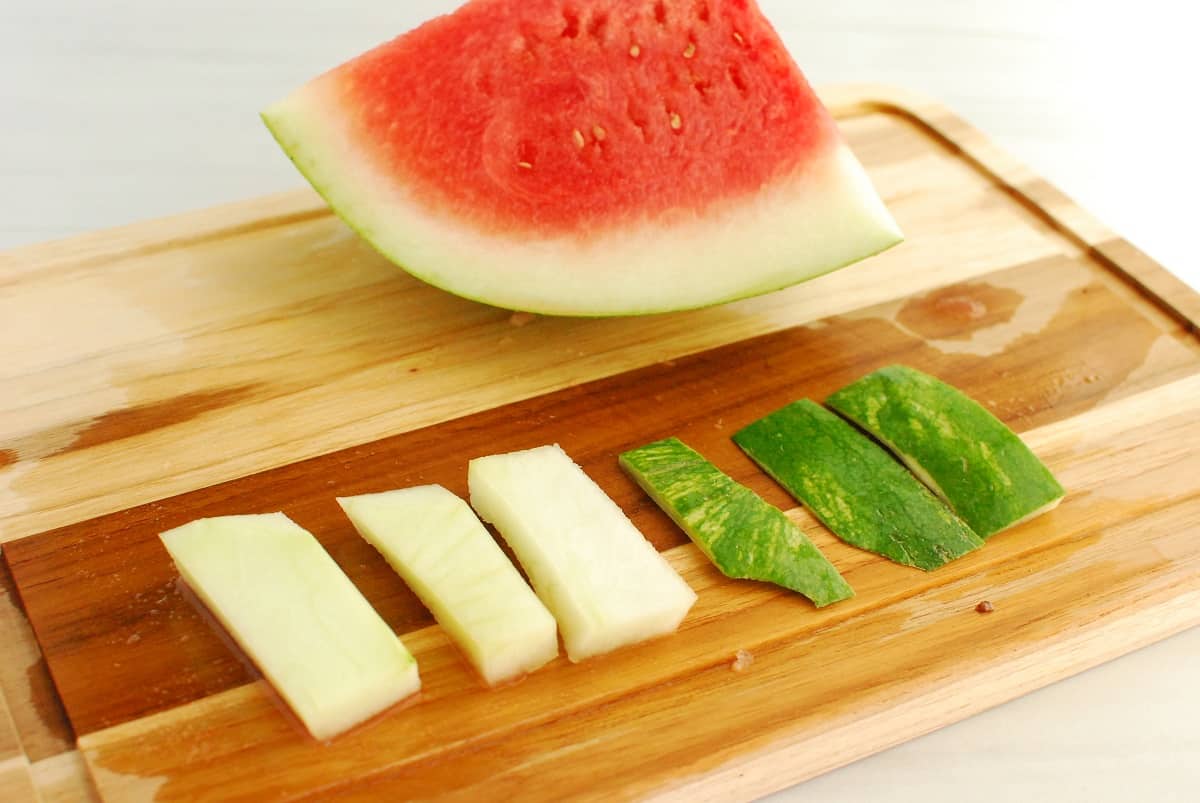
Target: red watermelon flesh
(588,158)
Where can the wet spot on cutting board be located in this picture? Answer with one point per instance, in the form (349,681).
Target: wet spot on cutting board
(958,311)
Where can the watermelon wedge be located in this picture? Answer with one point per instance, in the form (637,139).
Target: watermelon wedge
(588,158)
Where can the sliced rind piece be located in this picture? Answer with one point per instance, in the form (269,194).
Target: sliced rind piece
(604,582)
(510,156)
(744,536)
(966,455)
(435,542)
(289,606)
(855,487)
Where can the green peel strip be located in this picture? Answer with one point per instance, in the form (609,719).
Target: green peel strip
(855,487)
(966,455)
(744,536)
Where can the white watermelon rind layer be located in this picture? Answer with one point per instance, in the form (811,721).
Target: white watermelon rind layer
(824,217)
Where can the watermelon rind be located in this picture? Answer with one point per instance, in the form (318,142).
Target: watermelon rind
(966,455)
(863,495)
(743,535)
(822,217)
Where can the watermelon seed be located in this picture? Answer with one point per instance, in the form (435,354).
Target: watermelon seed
(638,119)
(635,51)
(571,29)
(526,155)
(690,51)
(596,25)
(483,83)
(735,75)
(579,140)
(737,37)
(676,121)
(599,133)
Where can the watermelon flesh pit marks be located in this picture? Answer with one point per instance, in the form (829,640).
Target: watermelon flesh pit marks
(588,158)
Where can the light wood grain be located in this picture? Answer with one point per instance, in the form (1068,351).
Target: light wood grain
(16,785)
(63,778)
(299,359)
(16,781)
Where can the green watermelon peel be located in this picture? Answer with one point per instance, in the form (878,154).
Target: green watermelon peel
(963,453)
(744,536)
(857,490)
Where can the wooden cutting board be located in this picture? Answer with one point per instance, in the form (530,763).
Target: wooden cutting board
(258,357)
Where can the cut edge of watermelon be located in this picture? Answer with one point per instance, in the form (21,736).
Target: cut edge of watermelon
(822,218)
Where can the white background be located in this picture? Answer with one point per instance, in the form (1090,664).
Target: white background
(118,111)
